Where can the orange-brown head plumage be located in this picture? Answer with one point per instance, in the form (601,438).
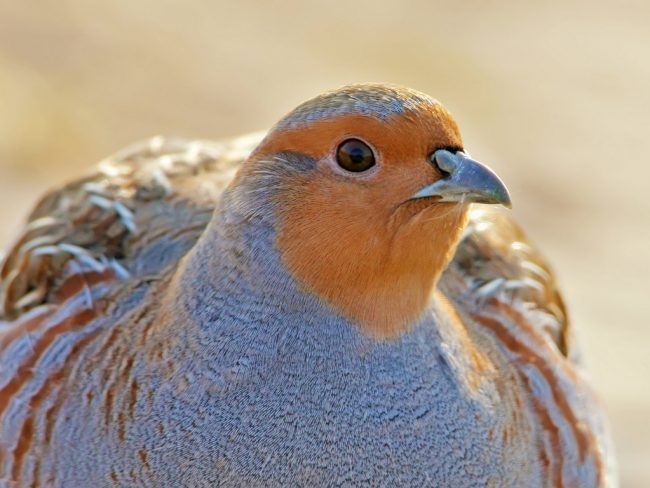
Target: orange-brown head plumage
(358,240)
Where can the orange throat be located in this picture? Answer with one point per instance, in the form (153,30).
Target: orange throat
(377,270)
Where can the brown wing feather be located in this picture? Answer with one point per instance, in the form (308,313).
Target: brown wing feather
(495,260)
(137,213)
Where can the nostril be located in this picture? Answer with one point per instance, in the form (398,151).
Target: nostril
(445,160)
(434,162)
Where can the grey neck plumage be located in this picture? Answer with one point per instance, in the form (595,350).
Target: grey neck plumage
(236,260)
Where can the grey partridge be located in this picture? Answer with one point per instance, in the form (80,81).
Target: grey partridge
(332,304)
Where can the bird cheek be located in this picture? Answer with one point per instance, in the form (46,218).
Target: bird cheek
(431,221)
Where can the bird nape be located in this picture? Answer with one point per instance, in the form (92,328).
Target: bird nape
(333,303)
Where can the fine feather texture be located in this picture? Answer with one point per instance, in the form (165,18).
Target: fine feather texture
(146,339)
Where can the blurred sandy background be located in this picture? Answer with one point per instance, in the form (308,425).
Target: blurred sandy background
(555,97)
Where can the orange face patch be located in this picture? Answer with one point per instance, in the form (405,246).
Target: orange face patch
(354,239)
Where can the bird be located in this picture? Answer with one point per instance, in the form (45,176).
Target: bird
(339,301)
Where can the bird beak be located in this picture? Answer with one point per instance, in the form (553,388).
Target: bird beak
(467,180)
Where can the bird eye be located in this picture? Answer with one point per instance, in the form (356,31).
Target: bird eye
(355,156)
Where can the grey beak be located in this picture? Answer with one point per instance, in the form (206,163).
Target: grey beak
(467,180)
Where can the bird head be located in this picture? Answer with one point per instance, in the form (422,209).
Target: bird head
(369,187)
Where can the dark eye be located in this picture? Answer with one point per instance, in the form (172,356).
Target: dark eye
(355,155)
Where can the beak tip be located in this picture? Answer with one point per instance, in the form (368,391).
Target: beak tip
(505,200)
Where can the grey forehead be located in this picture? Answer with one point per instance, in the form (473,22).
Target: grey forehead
(378,101)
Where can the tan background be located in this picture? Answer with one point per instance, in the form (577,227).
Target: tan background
(556,97)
